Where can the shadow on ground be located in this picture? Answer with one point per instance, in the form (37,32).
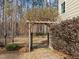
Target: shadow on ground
(39,45)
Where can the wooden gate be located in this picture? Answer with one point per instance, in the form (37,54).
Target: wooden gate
(31,44)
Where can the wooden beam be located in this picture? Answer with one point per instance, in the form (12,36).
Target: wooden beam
(42,22)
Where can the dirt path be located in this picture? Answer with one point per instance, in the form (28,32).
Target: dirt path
(45,53)
(41,53)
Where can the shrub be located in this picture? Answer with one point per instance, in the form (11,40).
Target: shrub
(65,36)
(12,47)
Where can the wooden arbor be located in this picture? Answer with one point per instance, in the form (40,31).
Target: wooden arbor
(36,22)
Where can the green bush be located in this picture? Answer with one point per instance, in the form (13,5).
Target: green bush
(12,47)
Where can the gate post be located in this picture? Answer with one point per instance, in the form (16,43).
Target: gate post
(29,37)
(48,38)
(31,41)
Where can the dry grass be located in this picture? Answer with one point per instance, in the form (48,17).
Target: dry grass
(41,53)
